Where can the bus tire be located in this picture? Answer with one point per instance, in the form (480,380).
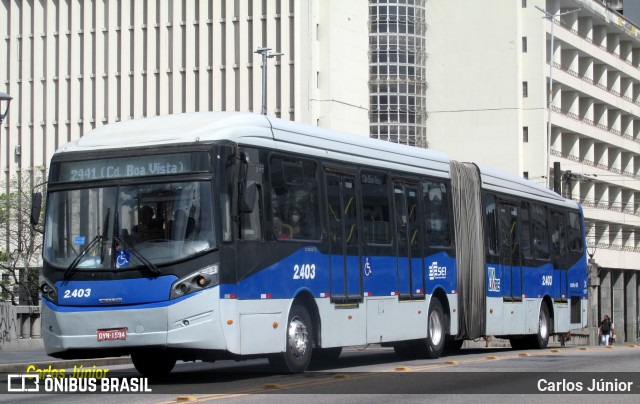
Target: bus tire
(541,339)
(299,343)
(435,330)
(154,363)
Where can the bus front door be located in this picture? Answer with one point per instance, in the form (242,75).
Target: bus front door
(510,251)
(346,279)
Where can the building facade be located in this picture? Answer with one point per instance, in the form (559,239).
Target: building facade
(74,65)
(534,90)
(397,71)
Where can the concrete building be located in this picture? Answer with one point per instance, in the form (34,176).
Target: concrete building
(489,77)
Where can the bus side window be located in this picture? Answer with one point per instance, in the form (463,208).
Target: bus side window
(294,196)
(491,225)
(436,205)
(540,233)
(575,232)
(558,236)
(525,231)
(376,208)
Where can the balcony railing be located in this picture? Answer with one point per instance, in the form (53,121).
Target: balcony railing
(589,122)
(593,83)
(594,164)
(610,206)
(589,40)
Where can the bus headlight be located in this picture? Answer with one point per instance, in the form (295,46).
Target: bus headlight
(49,291)
(201,279)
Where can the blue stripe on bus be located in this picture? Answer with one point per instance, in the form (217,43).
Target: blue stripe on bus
(308,268)
(80,293)
(155,305)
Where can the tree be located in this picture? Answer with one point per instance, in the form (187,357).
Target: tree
(21,248)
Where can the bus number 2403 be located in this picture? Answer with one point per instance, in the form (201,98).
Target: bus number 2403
(304,271)
(77,293)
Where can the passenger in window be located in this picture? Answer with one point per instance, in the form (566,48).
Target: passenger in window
(278,227)
(296,223)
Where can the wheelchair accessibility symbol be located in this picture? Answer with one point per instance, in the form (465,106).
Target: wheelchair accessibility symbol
(367,266)
(122,259)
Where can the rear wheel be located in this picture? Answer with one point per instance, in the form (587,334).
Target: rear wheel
(299,342)
(154,364)
(435,330)
(541,339)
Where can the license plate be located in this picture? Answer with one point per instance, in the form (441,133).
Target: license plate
(112,334)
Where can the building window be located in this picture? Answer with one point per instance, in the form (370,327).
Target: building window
(525,89)
(524,44)
(525,134)
(524,3)
(525,175)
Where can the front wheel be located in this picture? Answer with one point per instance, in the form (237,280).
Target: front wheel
(435,330)
(154,364)
(299,342)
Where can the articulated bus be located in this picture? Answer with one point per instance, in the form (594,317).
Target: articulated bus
(217,235)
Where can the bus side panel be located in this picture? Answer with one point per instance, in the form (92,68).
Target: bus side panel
(342,326)
(388,320)
(264,325)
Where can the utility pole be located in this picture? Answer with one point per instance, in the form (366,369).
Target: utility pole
(551,17)
(265,52)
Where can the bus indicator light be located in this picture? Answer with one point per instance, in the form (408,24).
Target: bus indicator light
(324,294)
(265,296)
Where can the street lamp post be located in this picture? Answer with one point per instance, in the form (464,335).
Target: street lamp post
(550,17)
(265,54)
(4,98)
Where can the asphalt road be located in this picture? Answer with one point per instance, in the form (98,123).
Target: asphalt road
(376,375)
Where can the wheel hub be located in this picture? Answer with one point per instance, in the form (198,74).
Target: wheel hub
(297,337)
(435,329)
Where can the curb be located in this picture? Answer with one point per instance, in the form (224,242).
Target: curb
(64,364)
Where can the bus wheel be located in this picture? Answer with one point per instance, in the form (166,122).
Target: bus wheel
(299,342)
(435,330)
(154,364)
(541,339)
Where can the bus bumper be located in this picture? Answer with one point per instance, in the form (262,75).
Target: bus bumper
(192,322)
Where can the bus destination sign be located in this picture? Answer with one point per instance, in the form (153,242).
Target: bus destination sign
(133,166)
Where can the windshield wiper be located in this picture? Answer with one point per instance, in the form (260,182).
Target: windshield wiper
(150,266)
(74,265)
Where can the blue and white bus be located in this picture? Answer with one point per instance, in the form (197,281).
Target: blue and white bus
(206,236)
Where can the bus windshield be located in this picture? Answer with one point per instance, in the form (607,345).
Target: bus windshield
(120,227)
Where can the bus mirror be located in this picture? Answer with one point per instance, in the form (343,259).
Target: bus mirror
(36,206)
(249,200)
